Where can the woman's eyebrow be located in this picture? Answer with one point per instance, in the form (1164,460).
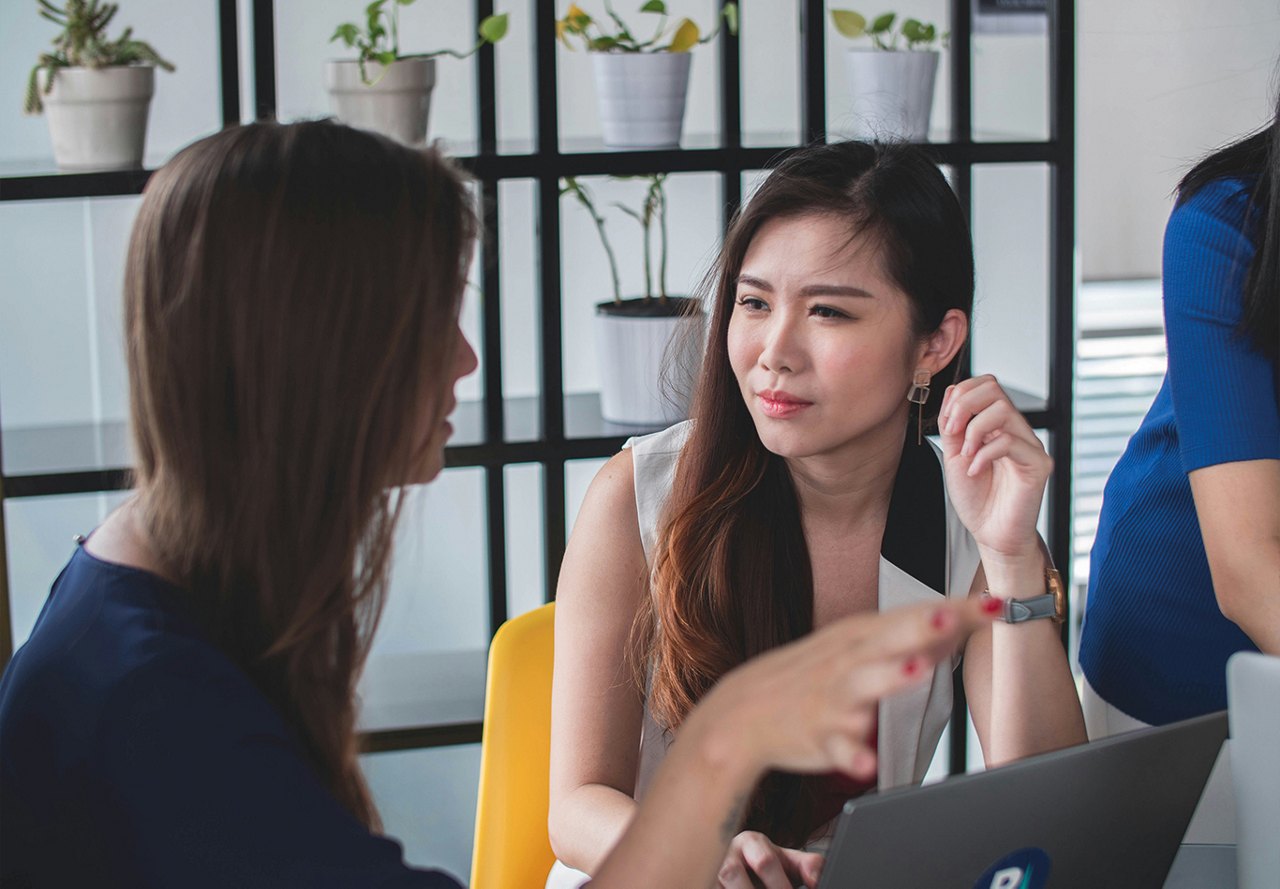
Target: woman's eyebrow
(808,289)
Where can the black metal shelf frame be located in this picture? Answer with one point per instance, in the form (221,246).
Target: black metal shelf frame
(546,165)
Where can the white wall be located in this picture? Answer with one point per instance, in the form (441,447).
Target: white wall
(1161,82)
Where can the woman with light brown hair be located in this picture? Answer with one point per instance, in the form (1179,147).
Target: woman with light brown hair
(183,713)
(802,492)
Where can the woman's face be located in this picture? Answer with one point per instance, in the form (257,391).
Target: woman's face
(820,340)
(435,434)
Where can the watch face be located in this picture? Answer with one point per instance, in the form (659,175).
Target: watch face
(1054,581)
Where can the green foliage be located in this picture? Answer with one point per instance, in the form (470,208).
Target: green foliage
(913,32)
(379,39)
(83,43)
(615,35)
(653,209)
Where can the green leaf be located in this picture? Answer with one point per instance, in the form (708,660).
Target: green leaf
(384,58)
(602,44)
(882,23)
(849,23)
(655,6)
(405,2)
(911,29)
(730,13)
(494,27)
(347,33)
(374,8)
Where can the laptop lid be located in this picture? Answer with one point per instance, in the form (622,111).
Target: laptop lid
(1253,692)
(1110,813)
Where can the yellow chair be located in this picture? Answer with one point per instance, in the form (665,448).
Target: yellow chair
(511,849)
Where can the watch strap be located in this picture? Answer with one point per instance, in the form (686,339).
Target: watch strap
(1018,610)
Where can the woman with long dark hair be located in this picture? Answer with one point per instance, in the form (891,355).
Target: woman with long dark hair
(183,713)
(1185,568)
(803,491)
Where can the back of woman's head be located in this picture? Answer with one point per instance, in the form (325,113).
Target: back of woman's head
(291,301)
(732,576)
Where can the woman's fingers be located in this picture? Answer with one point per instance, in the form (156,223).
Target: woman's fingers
(1024,453)
(763,860)
(804,867)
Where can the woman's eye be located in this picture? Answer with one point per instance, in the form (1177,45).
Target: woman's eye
(752,303)
(827,312)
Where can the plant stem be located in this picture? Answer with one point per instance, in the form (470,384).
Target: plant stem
(662,229)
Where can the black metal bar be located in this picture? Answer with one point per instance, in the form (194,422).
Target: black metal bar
(553,510)
(813,64)
(418,738)
(6,618)
(496,536)
(487,86)
(1062,226)
(229,51)
(264,59)
(52,185)
(731,120)
(961,57)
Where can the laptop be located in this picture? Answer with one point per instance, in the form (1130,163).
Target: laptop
(1110,813)
(1253,692)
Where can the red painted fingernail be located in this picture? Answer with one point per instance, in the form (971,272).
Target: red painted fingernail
(940,619)
(912,666)
(992,605)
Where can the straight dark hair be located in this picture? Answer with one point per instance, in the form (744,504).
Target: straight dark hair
(291,297)
(732,576)
(1258,156)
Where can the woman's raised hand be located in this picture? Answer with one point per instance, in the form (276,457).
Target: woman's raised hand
(996,468)
(811,706)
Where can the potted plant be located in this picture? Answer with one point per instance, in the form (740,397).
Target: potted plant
(95,92)
(381,89)
(644,378)
(641,84)
(891,82)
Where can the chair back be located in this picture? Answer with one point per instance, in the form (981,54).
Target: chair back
(511,848)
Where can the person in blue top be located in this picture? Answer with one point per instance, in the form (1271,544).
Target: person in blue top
(183,713)
(1186,565)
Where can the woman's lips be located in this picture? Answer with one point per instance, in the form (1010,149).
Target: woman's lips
(780,405)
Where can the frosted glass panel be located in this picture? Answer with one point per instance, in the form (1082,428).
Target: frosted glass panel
(771,64)
(40,534)
(1011,247)
(526,560)
(427,800)
(1011,84)
(518,210)
(438,600)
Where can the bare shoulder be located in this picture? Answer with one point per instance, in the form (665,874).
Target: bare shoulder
(605,552)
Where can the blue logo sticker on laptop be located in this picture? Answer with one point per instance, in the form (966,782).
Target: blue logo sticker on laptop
(1024,869)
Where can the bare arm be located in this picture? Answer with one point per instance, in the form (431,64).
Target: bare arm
(1016,677)
(596,707)
(1238,505)
(804,707)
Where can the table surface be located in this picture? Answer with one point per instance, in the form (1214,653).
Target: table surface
(1203,867)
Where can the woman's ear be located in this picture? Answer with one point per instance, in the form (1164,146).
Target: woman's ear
(944,343)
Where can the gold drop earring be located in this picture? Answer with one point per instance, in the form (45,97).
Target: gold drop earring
(918,395)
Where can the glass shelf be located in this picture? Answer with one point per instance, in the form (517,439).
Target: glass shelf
(422,689)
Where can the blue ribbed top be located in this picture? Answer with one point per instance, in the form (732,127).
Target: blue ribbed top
(1155,644)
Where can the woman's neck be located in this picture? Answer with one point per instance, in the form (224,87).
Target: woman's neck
(848,489)
(123,540)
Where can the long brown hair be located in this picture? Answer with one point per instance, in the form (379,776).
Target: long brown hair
(291,299)
(732,576)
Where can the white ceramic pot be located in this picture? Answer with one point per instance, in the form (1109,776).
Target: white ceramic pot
(646,377)
(396,105)
(98,116)
(892,92)
(641,97)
